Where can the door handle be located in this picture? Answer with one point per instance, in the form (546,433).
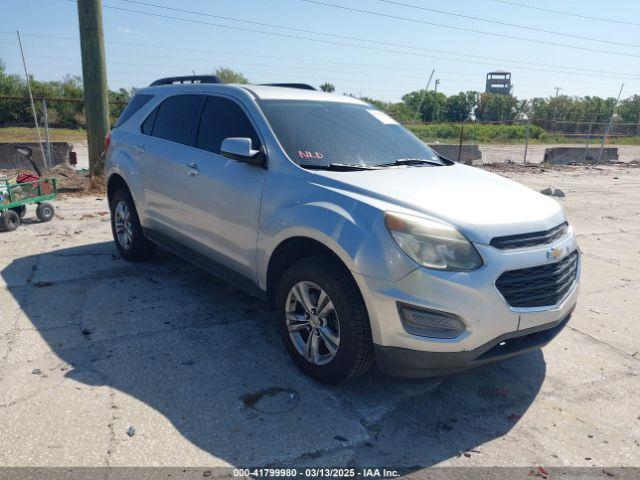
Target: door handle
(193,169)
(140,148)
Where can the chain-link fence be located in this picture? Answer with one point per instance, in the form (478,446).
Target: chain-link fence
(532,141)
(61,130)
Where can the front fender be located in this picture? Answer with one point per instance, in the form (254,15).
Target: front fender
(354,231)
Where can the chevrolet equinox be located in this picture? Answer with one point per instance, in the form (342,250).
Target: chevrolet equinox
(369,246)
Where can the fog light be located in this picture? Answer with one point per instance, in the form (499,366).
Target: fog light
(430,323)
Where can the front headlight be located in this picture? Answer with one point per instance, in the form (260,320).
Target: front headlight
(432,244)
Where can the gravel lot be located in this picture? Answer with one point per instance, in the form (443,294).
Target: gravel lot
(91,346)
(535,152)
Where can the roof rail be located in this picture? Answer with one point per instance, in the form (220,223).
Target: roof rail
(301,86)
(186,79)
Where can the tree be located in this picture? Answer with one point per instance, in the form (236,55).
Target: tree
(629,109)
(399,111)
(432,104)
(494,107)
(9,84)
(460,107)
(227,75)
(328,87)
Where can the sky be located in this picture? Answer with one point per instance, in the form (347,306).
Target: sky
(380,56)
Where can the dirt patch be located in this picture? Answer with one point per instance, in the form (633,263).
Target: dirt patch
(544,167)
(71,182)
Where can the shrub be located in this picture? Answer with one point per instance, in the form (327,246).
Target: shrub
(477,132)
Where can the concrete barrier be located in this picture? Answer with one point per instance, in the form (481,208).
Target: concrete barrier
(469,153)
(580,155)
(11,159)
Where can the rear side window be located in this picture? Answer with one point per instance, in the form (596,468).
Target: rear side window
(176,118)
(223,118)
(137,102)
(147,125)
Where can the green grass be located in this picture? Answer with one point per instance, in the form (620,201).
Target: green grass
(502,134)
(22,134)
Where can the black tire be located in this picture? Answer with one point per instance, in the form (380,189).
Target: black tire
(21,211)
(45,212)
(9,220)
(354,354)
(139,249)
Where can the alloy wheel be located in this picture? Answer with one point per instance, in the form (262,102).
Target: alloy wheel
(123,227)
(312,323)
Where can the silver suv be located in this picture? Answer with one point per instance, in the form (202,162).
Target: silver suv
(369,245)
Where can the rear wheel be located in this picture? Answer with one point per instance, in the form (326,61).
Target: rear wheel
(9,220)
(45,212)
(323,321)
(127,231)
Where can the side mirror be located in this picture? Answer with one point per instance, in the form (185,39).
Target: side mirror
(240,149)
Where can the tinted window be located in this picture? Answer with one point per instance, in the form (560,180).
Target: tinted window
(147,125)
(136,103)
(321,133)
(223,118)
(176,118)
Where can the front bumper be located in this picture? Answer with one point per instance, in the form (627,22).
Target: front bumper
(400,362)
(471,296)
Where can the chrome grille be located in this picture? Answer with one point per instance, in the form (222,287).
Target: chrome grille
(530,239)
(540,286)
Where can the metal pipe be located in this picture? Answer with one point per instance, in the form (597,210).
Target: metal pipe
(33,106)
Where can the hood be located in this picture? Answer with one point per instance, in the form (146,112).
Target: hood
(482,205)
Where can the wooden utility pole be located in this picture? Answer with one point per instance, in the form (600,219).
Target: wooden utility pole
(94,77)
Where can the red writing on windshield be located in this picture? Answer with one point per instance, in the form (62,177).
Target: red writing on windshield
(308,154)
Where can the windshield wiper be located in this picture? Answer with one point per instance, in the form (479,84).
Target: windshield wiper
(411,161)
(338,167)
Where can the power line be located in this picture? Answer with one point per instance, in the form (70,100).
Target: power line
(558,69)
(544,42)
(351,45)
(472,30)
(349,75)
(169,47)
(571,14)
(555,69)
(507,24)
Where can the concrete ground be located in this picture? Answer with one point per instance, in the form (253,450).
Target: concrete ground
(106,363)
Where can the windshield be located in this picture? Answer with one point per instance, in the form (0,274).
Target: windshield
(333,133)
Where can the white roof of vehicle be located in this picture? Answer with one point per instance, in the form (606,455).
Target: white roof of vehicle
(265,92)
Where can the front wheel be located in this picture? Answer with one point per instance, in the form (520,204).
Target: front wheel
(323,321)
(9,220)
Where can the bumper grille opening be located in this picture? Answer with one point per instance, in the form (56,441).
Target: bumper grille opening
(523,343)
(540,286)
(530,239)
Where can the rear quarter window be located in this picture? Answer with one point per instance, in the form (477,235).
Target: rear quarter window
(137,102)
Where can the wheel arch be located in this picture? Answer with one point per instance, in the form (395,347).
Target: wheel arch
(291,250)
(114,183)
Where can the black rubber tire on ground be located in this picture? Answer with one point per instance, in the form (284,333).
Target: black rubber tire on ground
(355,352)
(141,248)
(45,212)
(21,210)
(9,220)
